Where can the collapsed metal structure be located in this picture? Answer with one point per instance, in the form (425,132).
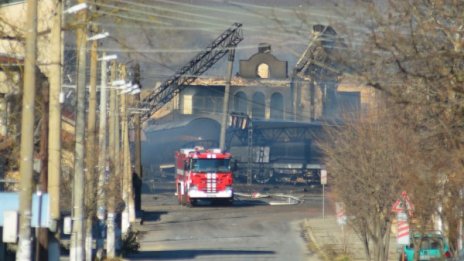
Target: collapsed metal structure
(253,137)
(257,135)
(199,64)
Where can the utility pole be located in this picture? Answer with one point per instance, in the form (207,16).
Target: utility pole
(126,170)
(27,135)
(91,139)
(111,235)
(77,237)
(102,157)
(225,107)
(138,146)
(41,250)
(54,133)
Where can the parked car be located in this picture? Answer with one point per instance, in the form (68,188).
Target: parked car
(433,246)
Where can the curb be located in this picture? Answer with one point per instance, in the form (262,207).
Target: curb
(309,233)
(292,200)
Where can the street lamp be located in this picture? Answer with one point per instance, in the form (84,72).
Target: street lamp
(135,91)
(118,83)
(129,89)
(108,58)
(76,8)
(98,36)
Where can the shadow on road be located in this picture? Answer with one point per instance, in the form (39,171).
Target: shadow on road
(152,215)
(190,254)
(238,203)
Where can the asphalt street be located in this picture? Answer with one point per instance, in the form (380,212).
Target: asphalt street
(250,229)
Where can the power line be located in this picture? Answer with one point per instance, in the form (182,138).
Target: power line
(157,7)
(176,18)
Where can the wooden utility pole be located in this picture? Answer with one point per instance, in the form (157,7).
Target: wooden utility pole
(111,235)
(27,135)
(91,148)
(54,133)
(77,237)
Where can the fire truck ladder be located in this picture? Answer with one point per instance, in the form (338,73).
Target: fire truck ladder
(226,42)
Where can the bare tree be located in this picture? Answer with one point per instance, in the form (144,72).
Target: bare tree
(413,51)
(370,160)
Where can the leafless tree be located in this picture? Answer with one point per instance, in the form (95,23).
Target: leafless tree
(369,161)
(413,51)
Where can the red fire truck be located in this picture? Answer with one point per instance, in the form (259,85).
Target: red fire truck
(203,175)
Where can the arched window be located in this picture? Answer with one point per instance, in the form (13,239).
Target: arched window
(240,102)
(258,105)
(277,106)
(263,71)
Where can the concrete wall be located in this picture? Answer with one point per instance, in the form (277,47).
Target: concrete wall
(277,68)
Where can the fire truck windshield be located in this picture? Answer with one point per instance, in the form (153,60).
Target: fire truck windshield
(210,165)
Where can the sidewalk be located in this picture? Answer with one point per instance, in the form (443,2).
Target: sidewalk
(328,239)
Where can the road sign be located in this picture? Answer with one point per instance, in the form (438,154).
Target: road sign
(341,216)
(323,176)
(399,207)
(402,233)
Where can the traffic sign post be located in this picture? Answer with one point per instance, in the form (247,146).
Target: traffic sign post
(400,207)
(403,204)
(341,220)
(323,176)
(402,234)
(341,216)
(323,182)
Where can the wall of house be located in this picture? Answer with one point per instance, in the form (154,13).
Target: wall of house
(368,97)
(262,101)
(14,15)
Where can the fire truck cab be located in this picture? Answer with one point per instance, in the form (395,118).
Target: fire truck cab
(203,174)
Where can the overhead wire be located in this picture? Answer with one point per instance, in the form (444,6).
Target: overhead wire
(157,7)
(142,12)
(214,25)
(162,50)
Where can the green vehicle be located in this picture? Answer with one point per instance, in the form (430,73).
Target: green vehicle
(433,247)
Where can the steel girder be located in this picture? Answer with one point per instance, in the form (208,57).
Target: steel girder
(184,76)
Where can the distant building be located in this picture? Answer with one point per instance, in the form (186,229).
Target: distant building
(286,108)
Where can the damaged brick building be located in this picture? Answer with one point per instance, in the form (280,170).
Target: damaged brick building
(286,111)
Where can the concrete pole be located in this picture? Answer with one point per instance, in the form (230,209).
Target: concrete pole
(126,166)
(102,157)
(54,133)
(128,159)
(111,235)
(225,107)
(138,146)
(77,237)
(41,250)
(27,135)
(91,140)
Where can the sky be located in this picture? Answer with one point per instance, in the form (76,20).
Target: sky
(162,35)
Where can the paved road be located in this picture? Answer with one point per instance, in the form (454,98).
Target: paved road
(248,230)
